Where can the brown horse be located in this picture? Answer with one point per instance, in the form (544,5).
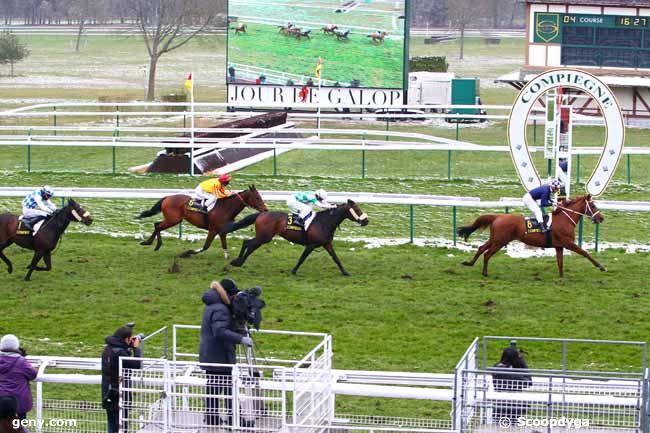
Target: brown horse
(46,238)
(241,28)
(320,232)
(174,209)
(378,37)
(330,29)
(508,227)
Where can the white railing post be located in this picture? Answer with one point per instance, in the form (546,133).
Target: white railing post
(39,397)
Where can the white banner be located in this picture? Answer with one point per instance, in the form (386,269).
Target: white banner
(355,96)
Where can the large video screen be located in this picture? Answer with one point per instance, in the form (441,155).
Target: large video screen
(360,43)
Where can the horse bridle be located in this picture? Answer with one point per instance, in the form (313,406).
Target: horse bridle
(589,213)
(239,194)
(76,216)
(357,217)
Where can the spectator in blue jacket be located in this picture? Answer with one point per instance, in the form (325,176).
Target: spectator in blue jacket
(543,195)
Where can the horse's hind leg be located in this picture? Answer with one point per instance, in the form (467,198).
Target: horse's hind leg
(486,257)
(5,259)
(47,258)
(224,245)
(159,229)
(153,235)
(250,246)
(480,251)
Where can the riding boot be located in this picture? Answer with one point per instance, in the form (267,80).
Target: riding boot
(544,227)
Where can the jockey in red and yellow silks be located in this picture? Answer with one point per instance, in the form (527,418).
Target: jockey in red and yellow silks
(212,189)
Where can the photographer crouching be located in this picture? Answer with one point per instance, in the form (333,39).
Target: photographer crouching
(122,344)
(223,327)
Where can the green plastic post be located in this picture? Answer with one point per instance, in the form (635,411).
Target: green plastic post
(629,170)
(411,223)
(454,223)
(597,235)
(507,209)
(580,233)
(363,157)
(549,167)
(54,120)
(275,163)
(387,129)
(115,134)
(578,169)
(62,201)
(534,132)
(449,165)
(29,151)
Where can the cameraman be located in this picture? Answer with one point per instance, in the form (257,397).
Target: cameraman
(217,346)
(122,344)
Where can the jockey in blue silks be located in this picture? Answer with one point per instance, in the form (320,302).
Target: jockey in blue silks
(543,194)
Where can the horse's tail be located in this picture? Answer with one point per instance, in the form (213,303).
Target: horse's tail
(244,222)
(153,211)
(480,223)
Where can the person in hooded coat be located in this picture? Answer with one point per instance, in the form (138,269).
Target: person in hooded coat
(122,344)
(15,374)
(217,346)
(511,376)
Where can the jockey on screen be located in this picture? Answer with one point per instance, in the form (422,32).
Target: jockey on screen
(37,206)
(209,191)
(301,202)
(543,194)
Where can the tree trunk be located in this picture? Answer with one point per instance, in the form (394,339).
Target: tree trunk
(11,68)
(462,40)
(79,33)
(151,86)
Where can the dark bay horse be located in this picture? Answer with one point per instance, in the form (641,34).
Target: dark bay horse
(320,232)
(508,227)
(46,238)
(174,209)
(241,28)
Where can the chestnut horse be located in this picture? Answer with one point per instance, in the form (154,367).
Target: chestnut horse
(378,37)
(509,227)
(46,238)
(174,209)
(320,232)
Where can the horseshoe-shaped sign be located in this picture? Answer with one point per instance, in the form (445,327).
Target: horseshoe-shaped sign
(604,97)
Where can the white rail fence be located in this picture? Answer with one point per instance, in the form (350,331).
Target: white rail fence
(297,395)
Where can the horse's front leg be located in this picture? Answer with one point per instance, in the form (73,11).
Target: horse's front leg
(206,245)
(559,255)
(308,249)
(47,258)
(583,253)
(32,265)
(330,249)
(224,245)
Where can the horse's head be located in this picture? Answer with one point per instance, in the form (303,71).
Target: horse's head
(592,211)
(78,213)
(253,199)
(355,213)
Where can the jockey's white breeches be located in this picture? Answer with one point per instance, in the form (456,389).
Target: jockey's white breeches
(303,210)
(209,198)
(30,213)
(534,207)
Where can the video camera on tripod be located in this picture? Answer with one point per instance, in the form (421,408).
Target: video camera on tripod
(247,309)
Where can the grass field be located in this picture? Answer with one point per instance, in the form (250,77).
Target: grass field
(405,307)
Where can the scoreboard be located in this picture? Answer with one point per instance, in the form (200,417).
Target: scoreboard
(616,41)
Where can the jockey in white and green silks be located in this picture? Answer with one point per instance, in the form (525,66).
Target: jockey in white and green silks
(301,204)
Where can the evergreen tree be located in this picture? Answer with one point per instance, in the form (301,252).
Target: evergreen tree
(12,50)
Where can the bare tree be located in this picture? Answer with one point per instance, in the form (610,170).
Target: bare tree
(461,14)
(169,24)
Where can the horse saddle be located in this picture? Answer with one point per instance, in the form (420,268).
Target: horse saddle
(195,205)
(532,226)
(294,222)
(26,225)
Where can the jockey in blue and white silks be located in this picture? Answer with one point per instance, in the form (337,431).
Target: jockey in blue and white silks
(543,194)
(37,205)
(301,204)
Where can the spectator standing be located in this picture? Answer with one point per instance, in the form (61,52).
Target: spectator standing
(15,374)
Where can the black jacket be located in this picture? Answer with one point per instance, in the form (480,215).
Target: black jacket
(218,339)
(115,348)
(513,380)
